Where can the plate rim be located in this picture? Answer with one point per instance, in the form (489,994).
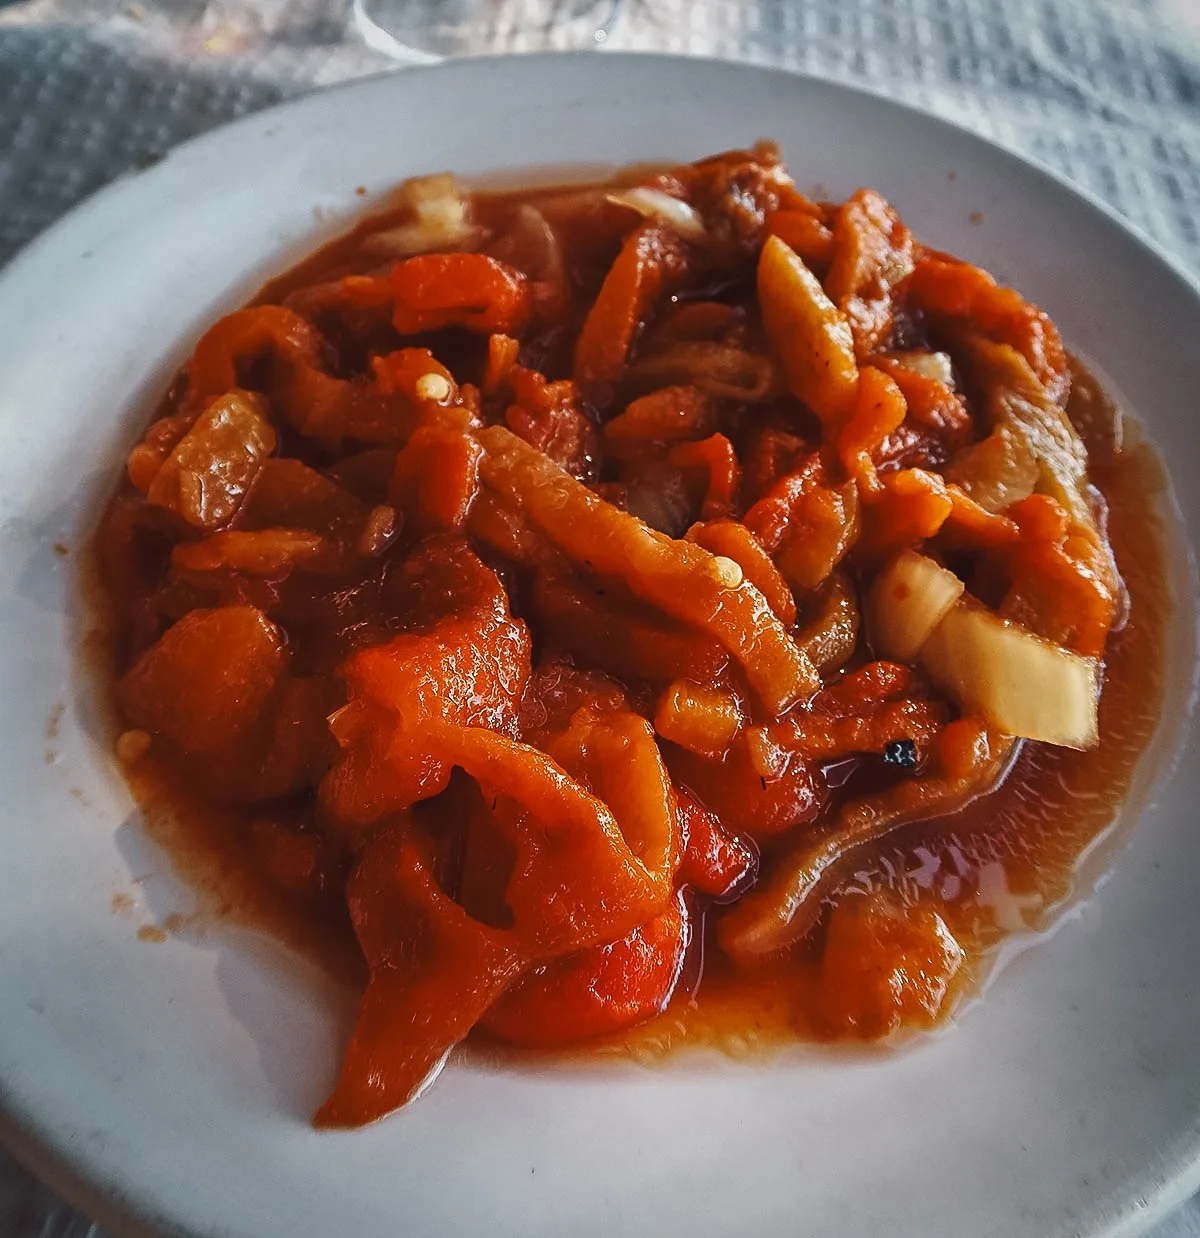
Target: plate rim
(141,175)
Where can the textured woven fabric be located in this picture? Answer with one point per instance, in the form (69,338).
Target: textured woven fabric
(1105,91)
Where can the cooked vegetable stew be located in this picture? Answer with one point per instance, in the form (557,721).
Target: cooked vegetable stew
(668,610)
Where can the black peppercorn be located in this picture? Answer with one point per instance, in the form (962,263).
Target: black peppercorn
(901,752)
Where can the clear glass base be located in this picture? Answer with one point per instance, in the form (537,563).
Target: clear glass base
(423,30)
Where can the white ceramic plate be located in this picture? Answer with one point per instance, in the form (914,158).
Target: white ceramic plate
(167,1086)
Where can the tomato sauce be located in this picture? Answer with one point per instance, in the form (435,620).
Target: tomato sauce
(331,577)
(1010,863)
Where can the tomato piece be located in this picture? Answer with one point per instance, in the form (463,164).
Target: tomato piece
(597,991)
(206,686)
(747,801)
(472,291)
(884,969)
(715,862)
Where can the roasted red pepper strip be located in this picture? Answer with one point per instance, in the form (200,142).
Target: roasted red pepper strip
(597,991)
(716,455)
(956,290)
(383,408)
(872,256)
(433,972)
(576,881)
(473,291)
(735,541)
(879,409)
(651,258)
(804,233)
(436,478)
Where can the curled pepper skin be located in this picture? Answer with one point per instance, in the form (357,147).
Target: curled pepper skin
(649,261)
(576,880)
(433,973)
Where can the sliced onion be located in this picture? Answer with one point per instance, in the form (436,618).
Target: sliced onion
(654,204)
(935,365)
(907,601)
(718,370)
(440,220)
(1018,682)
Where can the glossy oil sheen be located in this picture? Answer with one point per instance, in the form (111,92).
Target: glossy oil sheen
(1005,865)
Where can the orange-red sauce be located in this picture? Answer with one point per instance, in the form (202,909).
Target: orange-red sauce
(1009,862)
(1006,863)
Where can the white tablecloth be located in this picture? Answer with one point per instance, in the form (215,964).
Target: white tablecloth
(1105,91)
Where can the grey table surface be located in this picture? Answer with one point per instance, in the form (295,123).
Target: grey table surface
(1106,92)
